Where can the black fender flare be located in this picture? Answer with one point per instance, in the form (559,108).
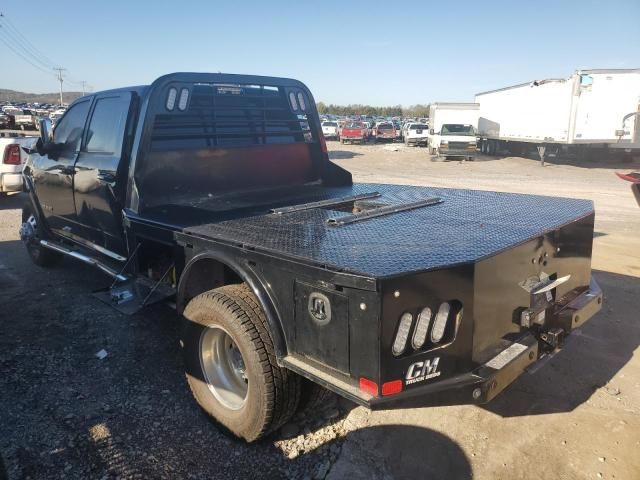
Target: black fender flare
(36,209)
(251,278)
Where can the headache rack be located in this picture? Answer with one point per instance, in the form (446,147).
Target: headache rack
(201,115)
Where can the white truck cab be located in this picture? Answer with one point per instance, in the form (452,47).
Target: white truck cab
(453,129)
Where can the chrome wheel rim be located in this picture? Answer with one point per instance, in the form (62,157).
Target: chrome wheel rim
(224,368)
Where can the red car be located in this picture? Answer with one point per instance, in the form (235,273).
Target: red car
(354,132)
(634,178)
(385,131)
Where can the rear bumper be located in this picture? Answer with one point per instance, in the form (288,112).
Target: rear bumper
(10,182)
(489,379)
(457,152)
(417,141)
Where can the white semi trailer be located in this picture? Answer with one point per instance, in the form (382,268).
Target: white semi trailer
(591,112)
(452,129)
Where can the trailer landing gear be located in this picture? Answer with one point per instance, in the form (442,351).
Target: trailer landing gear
(541,151)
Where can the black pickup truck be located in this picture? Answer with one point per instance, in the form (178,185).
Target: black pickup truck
(215,192)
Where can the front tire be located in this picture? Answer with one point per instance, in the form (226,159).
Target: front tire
(231,364)
(41,256)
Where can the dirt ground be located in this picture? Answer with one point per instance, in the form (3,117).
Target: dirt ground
(66,414)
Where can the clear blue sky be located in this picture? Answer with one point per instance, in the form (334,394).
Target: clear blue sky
(380,53)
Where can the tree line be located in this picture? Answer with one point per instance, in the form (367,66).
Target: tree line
(418,110)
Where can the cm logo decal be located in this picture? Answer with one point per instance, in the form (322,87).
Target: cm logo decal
(319,308)
(421,371)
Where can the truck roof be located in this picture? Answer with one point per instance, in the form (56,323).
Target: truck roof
(465,227)
(453,105)
(143,90)
(577,72)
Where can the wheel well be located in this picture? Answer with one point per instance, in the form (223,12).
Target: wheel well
(206,274)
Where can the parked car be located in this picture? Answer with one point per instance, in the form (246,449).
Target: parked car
(384,132)
(368,128)
(354,132)
(416,134)
(7,121)
(55,115)
(27,120)
(330,129)
(12,159)
(398,129)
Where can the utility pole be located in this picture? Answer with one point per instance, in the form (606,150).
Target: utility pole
(60,79)
(84,85)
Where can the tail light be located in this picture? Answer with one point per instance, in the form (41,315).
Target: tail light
(422,327)
(12,154)
(440,323)
(402,335)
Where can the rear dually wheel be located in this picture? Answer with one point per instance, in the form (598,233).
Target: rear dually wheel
(231,365)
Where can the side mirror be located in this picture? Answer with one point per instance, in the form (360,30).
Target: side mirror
(431,132)
(46,130)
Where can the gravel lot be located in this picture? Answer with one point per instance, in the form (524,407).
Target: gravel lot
(66,414)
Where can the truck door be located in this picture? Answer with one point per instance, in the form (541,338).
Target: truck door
(99,184)
(53,172)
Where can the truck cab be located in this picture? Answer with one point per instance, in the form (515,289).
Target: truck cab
(452,132)
(216,192)
(453,140)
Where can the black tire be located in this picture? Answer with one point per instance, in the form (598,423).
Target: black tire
(43,257)
(273,392)
(313,396)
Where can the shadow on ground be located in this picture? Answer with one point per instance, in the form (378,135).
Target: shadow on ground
(614,160)
(342,154)
(12,201)
(399,452)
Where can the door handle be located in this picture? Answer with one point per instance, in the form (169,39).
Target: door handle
(106,177)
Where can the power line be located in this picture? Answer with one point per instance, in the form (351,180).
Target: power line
(17,45)
(24,43)
(21,55)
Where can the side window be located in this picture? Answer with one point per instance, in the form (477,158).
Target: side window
(107,125)
(68,131)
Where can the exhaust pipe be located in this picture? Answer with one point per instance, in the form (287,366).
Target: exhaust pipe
(85,259)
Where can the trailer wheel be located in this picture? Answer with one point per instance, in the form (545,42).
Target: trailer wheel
(31,232)
(231,365)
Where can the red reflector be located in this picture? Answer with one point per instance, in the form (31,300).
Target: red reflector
(389,388)
(12,154)
(368,386)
